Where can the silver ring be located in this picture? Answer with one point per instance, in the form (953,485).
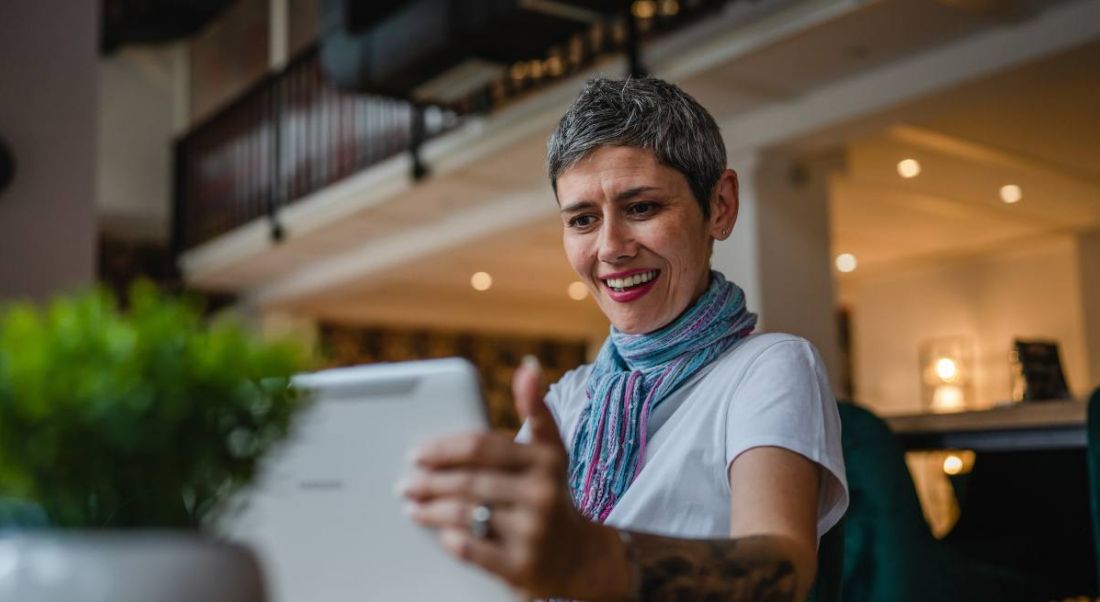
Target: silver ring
(479,521)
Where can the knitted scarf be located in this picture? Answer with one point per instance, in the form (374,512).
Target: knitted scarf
(632,375)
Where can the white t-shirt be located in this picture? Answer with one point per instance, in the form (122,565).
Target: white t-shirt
(767,390)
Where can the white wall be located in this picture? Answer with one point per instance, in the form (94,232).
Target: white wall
(779,250)
(135,121)
(1088,265)
(47,114)
(1030,290)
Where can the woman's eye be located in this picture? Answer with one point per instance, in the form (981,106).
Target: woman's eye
(581,221)
(642,209)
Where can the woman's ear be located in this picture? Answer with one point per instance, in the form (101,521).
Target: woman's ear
(724,205)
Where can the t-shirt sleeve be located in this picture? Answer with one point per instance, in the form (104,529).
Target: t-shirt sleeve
(784,400)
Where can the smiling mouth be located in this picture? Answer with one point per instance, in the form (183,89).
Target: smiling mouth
(621,285)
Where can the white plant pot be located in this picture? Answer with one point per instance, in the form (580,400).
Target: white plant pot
(116,566)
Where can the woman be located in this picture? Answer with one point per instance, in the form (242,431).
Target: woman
(692,460)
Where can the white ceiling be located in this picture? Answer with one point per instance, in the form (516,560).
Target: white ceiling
(1034,126)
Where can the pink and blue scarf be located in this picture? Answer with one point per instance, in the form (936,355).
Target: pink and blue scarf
(632,375)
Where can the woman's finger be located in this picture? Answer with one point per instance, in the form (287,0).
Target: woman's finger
(480,486)
(453,513)
(486,450)
(480,552)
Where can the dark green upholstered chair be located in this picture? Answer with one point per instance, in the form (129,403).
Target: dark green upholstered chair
(830,566)
(889,551)
(1094,471)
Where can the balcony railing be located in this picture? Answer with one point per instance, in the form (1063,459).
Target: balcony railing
(293,133)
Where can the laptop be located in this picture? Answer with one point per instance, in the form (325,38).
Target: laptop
(324,517)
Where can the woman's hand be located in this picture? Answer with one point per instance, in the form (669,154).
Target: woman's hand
(537,541)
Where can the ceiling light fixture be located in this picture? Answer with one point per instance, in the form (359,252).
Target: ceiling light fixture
(1011,193)
(846,262)
(908,168)
(481,281)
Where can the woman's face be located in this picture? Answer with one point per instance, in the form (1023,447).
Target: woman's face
(635,234)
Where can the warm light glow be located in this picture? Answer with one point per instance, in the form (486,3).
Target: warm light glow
(481,281)
(644,9)
(946,369)
(846,262)
(577,291)
(669,7)
(948,398)
(519,70)
(908,168)
(1011,193)
(553,66)
(952,464)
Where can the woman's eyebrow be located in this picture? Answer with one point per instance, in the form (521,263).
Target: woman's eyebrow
(578,206)
(625,195)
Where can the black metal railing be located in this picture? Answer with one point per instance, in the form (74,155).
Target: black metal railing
(289,135)
(293,133)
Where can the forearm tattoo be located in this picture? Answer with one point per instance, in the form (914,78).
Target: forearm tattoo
(750,568)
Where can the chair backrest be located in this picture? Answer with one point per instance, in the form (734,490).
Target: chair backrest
(1093,431)
(889,550)
(887,542)
(830,566)
(878,479)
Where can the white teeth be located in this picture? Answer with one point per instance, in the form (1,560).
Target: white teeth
(630,281)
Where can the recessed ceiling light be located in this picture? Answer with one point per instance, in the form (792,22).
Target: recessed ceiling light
(1011,193)
(846,262)
(481,281)
(577,291)
(908,168)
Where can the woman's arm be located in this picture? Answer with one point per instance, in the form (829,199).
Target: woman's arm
(540,544)
(749,568)
(771,554)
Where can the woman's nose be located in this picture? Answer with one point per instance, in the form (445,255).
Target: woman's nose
(616,243)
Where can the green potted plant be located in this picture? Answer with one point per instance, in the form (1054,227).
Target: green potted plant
(126,432)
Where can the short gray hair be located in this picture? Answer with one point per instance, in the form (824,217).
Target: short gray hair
(643,113)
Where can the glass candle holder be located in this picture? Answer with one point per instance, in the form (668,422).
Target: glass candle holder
(946,368)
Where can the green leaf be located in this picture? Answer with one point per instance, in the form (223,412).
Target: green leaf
(143,418)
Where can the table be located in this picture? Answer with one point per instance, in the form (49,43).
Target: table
(1032,425)
(1025,505)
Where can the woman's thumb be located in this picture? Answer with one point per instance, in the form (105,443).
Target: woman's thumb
(528,391)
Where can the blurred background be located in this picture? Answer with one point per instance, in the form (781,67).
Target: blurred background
(920,179)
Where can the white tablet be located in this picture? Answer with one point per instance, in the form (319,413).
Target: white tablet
(324,516)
